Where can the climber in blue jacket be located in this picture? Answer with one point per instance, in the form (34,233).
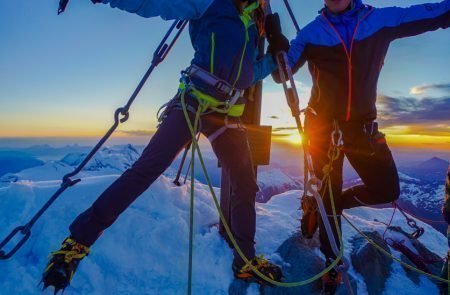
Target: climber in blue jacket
(224,34)
(345,47)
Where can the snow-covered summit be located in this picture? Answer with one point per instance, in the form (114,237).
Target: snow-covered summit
(146,251)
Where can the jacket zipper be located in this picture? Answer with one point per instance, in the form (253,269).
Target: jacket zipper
(349,58)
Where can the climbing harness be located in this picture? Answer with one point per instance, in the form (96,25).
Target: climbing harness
(121,115)
(231,108)
(203,106)
(196,149)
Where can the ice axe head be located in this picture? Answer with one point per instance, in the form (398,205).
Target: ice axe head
(62,6)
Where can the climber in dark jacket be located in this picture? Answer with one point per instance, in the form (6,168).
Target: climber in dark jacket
(224,34)
(345,47)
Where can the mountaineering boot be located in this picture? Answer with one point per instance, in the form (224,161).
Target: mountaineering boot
(309,222)
(331,280)
(268,269)
(63,264)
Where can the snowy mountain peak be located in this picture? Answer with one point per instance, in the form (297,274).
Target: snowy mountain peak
(117,158)
(273,182)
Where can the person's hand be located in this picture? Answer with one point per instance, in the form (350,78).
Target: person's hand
(277,41)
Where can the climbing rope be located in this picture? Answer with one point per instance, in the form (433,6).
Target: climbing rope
(382,250)
(196,148)
(121,115)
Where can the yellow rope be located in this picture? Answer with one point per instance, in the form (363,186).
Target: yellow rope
(379,248)
(195,146)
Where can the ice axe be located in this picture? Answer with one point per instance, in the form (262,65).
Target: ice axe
(62,6)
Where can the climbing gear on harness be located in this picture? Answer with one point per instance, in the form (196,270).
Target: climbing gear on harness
(313,184)
(176,181)
(196,148)
(309,222)
(334,152)
(331,281)
(228,106)
(222,86)
(121,115)
(63,264)
(247,274)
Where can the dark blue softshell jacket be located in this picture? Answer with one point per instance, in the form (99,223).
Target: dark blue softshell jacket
(345,53)
(218,36)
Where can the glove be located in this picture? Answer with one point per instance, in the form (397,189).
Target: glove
(277,41)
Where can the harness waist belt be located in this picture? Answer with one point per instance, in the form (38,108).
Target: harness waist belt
(221,85)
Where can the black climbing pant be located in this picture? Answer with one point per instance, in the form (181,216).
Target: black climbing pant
(232,151)
(368,153)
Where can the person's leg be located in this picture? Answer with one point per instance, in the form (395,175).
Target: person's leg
(370,156)
(166,143)
(319,134)
(233,152)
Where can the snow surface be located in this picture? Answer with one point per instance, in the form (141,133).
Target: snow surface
(146,251)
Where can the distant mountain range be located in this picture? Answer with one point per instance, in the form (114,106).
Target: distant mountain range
(433,169)
(421,185)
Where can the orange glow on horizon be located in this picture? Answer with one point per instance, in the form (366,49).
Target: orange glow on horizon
(395,138)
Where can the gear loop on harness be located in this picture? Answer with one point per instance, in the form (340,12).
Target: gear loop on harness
(336,135)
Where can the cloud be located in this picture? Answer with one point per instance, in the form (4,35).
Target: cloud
(445,87)
(409,110)
(277,129)
(280,135)
(137,132)
(408,115)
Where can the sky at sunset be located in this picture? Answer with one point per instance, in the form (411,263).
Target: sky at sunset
(63,76)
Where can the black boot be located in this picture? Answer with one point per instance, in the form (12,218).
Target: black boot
(63,264)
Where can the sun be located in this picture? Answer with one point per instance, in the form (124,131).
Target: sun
(294,139)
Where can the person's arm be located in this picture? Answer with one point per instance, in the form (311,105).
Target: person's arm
(263,67)
(417,19)
(296,57)
(166,9)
